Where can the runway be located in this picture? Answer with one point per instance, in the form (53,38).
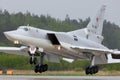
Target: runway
(3,77)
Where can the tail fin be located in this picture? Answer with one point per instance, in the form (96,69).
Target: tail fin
(96,25)
(93,31)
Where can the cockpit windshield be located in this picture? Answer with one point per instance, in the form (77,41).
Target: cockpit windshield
(24,28)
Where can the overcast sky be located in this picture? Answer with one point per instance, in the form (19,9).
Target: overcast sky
(59,8)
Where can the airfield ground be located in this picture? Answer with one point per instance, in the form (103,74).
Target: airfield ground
(65,73)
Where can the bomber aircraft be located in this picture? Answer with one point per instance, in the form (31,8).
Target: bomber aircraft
(83,43)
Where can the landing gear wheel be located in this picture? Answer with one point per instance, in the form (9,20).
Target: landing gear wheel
(92,70)
(36,68)
(96,69)
(45,67)
(41,68)
(87,71)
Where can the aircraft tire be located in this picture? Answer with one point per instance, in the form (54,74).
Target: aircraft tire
(46,67)
(96,69)
(87,71)
(41,68)
(91,70)
(36,68)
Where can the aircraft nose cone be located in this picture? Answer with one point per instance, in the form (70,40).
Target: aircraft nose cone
(8,34)
(12,36)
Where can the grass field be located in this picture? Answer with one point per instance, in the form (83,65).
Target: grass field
(65,73)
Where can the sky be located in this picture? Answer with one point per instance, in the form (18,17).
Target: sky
(59,8)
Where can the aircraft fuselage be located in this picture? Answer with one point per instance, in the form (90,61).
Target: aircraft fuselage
(38,38)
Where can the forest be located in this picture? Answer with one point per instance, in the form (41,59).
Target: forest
(11,21)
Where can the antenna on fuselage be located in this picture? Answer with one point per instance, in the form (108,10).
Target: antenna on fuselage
(28,25)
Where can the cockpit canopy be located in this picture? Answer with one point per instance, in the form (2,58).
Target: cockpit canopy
(25,28)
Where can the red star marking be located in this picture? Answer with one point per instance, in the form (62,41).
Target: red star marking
(97,19)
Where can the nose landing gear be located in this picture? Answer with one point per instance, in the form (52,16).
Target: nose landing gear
(32,52)
(33,60)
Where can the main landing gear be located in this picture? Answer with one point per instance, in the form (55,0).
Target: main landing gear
(40,67)
(92,69)
(32,52)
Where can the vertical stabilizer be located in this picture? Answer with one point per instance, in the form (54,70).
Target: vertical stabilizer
(93,31)
(95,27)
(96,24)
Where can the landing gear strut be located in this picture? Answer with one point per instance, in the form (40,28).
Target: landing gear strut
(41,67)
(33,60)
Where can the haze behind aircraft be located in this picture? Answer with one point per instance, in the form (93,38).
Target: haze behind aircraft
(79,44)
